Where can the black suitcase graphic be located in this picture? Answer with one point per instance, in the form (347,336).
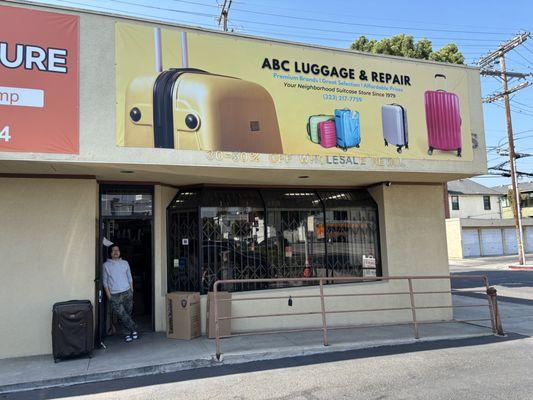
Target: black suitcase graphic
(72,329)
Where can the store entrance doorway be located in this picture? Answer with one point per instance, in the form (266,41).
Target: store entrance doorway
(126,220)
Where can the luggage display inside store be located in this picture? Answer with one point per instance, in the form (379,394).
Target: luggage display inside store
(72,329)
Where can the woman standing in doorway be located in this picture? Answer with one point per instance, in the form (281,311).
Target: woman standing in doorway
(118,286)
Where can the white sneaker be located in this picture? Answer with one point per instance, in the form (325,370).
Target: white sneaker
(127,338)
(135,335)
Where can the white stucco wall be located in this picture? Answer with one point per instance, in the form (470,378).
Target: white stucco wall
(472,206)
(47,248)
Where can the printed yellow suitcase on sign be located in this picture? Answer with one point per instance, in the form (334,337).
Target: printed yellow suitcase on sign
(190,109)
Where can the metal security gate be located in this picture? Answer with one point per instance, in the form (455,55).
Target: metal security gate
(246,233)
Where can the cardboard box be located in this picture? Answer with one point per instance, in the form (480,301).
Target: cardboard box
(183,315)
(224,310)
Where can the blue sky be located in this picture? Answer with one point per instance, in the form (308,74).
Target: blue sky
(475,26)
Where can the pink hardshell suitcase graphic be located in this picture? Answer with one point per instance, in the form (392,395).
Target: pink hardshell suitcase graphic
(327,134)
(443,119)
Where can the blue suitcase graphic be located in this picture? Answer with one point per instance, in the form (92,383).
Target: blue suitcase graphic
(348,128)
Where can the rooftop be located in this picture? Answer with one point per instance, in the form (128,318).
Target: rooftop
(469,187)
(523,186)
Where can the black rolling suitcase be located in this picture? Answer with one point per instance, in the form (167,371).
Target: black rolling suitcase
(72,329)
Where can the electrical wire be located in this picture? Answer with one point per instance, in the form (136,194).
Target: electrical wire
(517,62)
(366,25)
(527,48)
(324,12)
(517,52)
(324,38)
(290,26)
(94,7)
(522,104)
(353,33)
(162,8)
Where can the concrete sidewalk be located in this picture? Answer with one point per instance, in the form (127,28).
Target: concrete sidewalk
(154,353)
(497,262)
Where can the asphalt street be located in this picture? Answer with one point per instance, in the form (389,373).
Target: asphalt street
(479,368)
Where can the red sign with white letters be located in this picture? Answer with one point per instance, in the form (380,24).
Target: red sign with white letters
(39,81)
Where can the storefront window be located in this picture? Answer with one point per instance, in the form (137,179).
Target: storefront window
(240,234)
(121,201)
(183,244)
(295,233)
(351,231)
(233,240)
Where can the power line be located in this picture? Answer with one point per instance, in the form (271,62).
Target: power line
(162,8)
(121,11)
(323,38)
(529,62)
(287,26)
(527,48)
(323,12)
(518,62)
(367,25)
(366,33)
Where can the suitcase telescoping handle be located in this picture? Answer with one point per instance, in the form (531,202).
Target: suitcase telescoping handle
(445,80)
(158,50)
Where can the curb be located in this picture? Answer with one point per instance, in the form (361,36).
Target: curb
(228,359)
(110,375)
(521,267)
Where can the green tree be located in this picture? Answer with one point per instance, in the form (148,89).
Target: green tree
(363,44)
(423,49)
(449,53)
(404,46)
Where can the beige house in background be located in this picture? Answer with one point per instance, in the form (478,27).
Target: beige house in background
(469,199)
(479,222)
(526,199)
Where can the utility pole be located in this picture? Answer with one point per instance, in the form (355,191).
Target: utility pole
(223,19)
(499,54)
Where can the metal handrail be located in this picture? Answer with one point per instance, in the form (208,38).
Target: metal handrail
(490,292)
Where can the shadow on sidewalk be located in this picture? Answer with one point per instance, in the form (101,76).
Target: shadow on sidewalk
(255,366)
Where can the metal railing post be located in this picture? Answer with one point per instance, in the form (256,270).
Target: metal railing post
(491,305)
(413,308)
(323,309)
(217,329)
(497,323)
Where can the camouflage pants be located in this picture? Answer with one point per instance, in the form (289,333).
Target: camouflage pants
(122,305)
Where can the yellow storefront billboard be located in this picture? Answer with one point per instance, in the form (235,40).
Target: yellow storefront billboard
(209,92)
